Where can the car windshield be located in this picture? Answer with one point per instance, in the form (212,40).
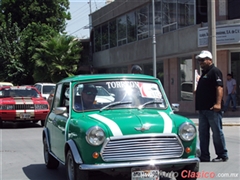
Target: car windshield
(47,89)
(19,92)
(117,94)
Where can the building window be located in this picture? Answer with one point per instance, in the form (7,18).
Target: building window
(131,27)
(122,30)
(186,79)
(169,10)
(113,33)
(105,36)
(143,23)
(97,39)
(186,15)
(158,17)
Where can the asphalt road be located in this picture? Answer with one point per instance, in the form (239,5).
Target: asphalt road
(21,156)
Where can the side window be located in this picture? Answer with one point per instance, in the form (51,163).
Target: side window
(56,102)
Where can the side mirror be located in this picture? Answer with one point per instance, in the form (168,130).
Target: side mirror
(60,110)
(175,107)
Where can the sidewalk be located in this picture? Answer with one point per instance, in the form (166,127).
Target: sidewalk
(227,120)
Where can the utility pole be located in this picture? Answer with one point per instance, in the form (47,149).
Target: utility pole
(212,30)
(154,40)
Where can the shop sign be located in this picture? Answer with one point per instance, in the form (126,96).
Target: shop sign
(226,34)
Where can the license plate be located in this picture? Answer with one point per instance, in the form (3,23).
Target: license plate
(25,116)
(145,173)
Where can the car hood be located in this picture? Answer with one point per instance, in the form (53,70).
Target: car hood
(23,100)
(120,123)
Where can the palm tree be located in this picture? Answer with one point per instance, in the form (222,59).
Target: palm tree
(57,58)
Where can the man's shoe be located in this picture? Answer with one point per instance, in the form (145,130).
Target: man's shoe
(204,160)
(220,159)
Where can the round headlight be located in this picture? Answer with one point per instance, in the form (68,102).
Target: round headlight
(187,131)
(95,136)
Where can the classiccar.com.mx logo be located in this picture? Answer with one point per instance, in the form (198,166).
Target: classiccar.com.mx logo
(201,174)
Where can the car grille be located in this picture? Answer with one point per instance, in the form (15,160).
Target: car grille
(145,147)
(24,106)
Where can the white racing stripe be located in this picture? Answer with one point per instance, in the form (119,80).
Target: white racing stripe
(116,131)
(167,122)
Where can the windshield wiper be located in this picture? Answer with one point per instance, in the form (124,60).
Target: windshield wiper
(150,102)
(115,104)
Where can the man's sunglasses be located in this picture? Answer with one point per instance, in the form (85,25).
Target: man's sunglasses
(201,60)
(90,93)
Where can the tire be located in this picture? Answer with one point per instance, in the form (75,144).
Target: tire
(192,168)
(50,161)
(73,171)
(1,124)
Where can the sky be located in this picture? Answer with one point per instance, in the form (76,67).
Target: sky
(80,9)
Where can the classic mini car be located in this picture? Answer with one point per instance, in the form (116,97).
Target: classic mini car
(137,135)
(22,103)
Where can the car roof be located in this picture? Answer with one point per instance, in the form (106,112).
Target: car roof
(44,84)
(18,87)
(6,84)
(107,76)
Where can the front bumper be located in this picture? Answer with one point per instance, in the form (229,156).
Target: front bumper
(166,162)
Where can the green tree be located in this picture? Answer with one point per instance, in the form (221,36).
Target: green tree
(59,56)
(37,21)
(51,12)
(10,52)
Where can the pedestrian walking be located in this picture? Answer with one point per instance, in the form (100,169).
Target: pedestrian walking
(209,101)
(231,93)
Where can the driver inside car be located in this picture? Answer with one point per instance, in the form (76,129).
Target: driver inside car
(87,99)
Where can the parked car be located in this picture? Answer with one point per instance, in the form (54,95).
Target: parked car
(45,88)
(5,84)
(136,135)
(187,91)
(50,97)
(22,103)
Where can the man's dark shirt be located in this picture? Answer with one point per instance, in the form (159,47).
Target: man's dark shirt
(206,89)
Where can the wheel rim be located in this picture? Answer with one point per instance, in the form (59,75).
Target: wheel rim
(70,168)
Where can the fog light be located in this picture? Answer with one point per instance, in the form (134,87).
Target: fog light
(95,155)
(187,149)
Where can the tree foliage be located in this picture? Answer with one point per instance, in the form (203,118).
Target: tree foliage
(10,52)
(24,25)
(59,56)
(50,12)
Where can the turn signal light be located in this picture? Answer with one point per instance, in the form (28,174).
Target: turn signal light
(187,149)
(95,155)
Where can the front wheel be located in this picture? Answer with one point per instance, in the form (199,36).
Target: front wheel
(189,172)
(73,171)
(50,161)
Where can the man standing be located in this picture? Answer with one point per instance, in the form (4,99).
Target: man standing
(231,93)
(209,101)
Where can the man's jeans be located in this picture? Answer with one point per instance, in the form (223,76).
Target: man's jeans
(230,97)
(211,119)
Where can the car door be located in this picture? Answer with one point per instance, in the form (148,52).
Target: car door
(60,121)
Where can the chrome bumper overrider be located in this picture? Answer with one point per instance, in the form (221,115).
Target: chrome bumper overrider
(137,163)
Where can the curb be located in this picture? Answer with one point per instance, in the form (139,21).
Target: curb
(225,124)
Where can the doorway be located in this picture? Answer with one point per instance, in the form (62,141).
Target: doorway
(235,66)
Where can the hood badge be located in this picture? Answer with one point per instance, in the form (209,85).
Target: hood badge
(144,127)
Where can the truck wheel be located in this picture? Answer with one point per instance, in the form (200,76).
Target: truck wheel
(50,161)
(189,172)
(73,171)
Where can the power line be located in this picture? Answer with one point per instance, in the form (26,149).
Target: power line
(100,16)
